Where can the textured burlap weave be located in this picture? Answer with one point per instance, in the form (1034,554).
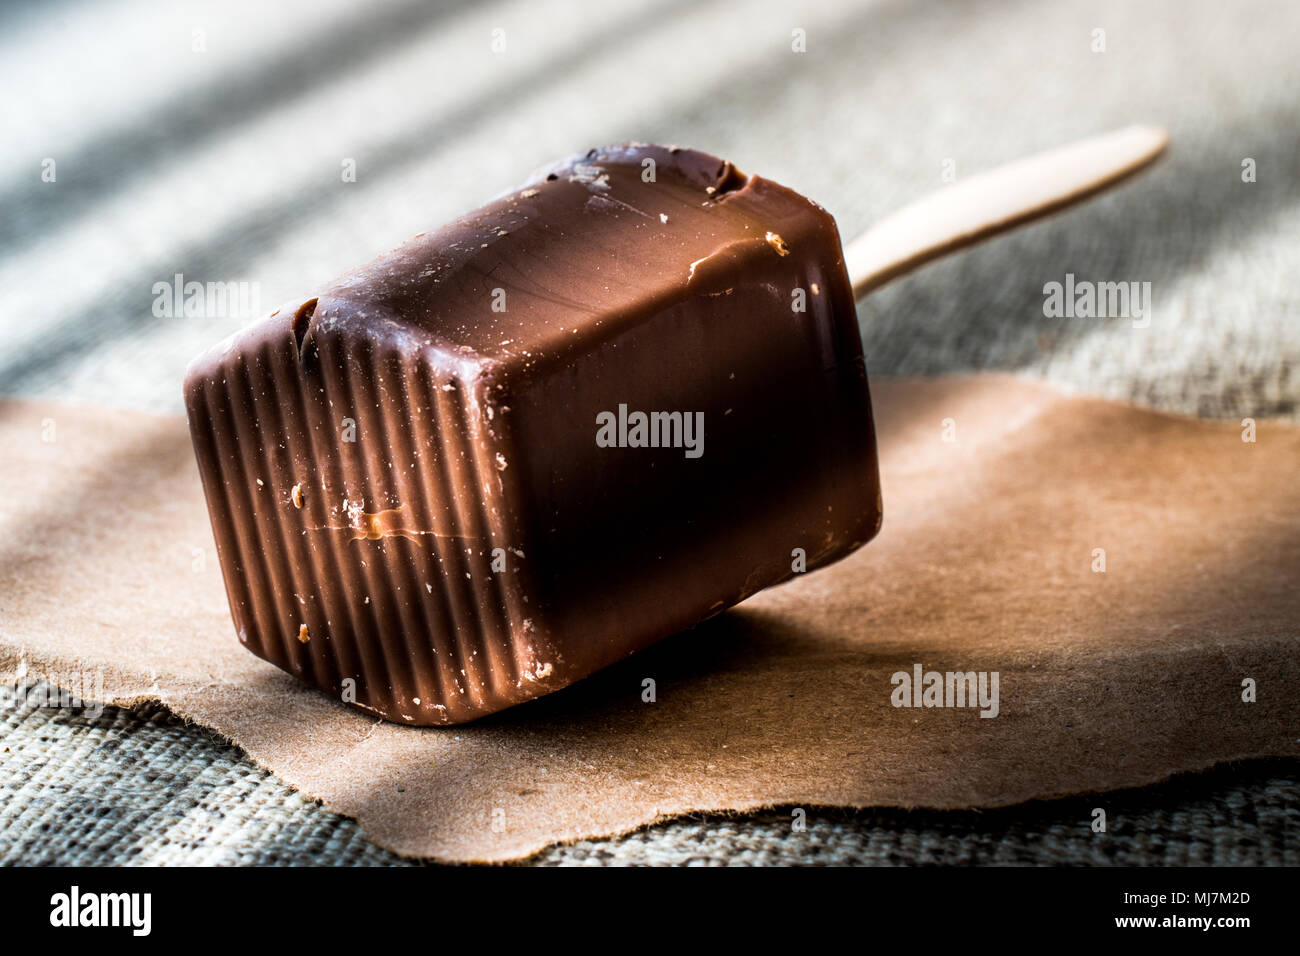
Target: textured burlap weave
(139,786)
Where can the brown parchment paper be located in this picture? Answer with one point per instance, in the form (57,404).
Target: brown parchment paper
(109,583)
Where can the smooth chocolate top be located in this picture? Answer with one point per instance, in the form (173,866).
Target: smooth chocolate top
(590,240)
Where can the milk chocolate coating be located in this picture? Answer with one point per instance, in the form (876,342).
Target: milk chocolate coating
(410,504)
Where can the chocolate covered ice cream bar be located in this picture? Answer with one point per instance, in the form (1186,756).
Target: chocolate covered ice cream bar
(589,415)
(506,454)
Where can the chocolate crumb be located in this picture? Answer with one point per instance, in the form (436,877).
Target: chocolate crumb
(777,243)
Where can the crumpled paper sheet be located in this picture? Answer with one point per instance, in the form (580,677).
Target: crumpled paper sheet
(109,583)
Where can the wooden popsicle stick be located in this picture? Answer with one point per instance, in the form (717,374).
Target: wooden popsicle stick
(995,201)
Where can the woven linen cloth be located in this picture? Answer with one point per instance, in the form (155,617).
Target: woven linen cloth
(275,145)
(139,786)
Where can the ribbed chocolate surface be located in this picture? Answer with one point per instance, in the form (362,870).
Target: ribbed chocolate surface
(416,617)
